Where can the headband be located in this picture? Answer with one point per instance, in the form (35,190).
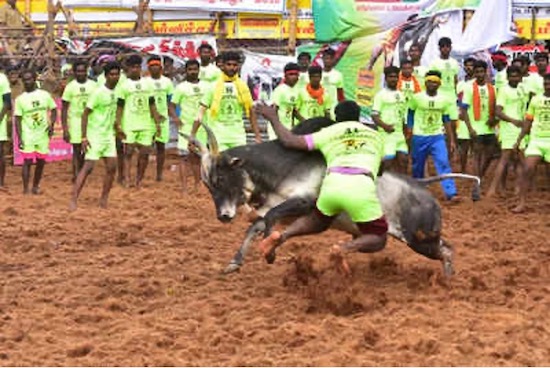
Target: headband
(105,58)
(154,62)
(499,57)
(433,78)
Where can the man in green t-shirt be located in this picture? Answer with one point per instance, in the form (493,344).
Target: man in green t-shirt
(448,67)
(188,96)
(538,126)
(35,115)
(313,99)
(511,108)
(209,72)
(353,153)
(163,89)
(228,101)
(75,96)
(285,98)
(477,109)
(388,113)
(5,120)
(429,114)
(141,120)
(98,135)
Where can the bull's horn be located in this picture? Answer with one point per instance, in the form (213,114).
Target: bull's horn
(196,142)
(212,142)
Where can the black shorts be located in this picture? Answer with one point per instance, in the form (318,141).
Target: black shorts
(486,140)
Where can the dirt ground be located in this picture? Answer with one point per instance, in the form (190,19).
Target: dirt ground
(140,284)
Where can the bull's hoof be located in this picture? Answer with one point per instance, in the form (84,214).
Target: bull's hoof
(232,267)
(270,257)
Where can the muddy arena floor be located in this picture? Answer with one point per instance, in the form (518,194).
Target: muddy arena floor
(140,284)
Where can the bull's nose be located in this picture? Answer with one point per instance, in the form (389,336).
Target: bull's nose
(225,218)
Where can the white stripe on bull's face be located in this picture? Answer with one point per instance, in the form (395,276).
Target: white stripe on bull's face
(227,211)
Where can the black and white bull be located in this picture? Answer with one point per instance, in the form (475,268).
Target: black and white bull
(280,183)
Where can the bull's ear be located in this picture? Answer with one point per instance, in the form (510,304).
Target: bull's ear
(236,162)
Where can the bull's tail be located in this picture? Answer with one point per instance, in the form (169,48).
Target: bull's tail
(476,191)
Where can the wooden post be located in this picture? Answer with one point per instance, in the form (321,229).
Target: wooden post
(140,11)
(49,40)
(293,27)
(533,24)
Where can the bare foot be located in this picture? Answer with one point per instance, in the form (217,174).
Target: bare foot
(72,206)
(268,246)
(36,191)
(337,257)
(103,203)
(455,199)
(26,192)
(3,189)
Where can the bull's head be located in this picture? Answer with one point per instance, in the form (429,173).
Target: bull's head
(224,177)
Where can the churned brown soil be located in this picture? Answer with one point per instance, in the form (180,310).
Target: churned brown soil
(140,284)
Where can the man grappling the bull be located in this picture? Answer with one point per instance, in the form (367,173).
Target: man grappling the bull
(353,153)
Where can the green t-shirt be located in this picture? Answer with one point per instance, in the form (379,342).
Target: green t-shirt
(429,112)
(163,88)
(420,73)
(77,95)
(449,69)
(501,79)
(285,98)
(303,80)
(309,107)
(101,121)
(349,144)
(228,124)
(513,101)
(331,82)
(480,126)
(390,106)
(34,109)
(4,89)
(209,73)
(539,110)
(136,95)
(534,83)
(188,96)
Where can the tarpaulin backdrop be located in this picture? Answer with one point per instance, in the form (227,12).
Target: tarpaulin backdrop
(368,35)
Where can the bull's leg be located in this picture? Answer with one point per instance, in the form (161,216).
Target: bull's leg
(292,207)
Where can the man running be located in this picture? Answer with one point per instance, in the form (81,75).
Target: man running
(209,72)
(478,112)
(163,90)
(464,140)
(137,109)
(388,113)
(228,100)
(35,116)
(448,67)
(75,97)
(510,110)
(98,135)
(428,111)
(353,153)
(538,148)
(188,96)
(313,100)
(285,99)
(5,121)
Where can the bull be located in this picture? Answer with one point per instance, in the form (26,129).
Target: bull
(280,183)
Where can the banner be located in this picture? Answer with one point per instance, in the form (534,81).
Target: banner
(128,4)
(529,50)
(59,149)
(179,48)
(253,6)
(259,26)
(524,22)
(263,72)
